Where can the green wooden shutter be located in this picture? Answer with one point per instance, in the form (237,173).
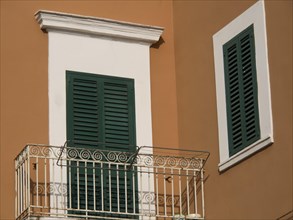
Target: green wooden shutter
(241,91)
(83,130)
(100,114)
(118,103)
(83,110)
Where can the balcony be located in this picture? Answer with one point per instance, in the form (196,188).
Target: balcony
(69,182)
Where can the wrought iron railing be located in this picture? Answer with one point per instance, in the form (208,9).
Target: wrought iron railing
(151,183)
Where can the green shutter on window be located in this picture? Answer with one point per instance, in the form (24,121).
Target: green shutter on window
(100,114)
(241,91)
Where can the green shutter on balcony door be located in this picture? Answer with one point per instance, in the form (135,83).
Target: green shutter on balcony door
(83,130)
(83,110)
(100,109)
(241,91)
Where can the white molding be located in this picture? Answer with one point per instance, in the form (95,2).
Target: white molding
(246,152)
(49,20)
(254,15)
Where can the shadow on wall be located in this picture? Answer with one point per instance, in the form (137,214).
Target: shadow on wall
(158,43)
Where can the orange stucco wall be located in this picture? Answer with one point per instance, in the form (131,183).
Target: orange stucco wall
(24,74)
(183,94)
(259,187)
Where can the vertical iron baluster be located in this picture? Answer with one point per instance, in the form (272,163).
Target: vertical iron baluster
(21,185)
(23,182)
(61,187)
(149,189)
(54,202)
(172,186)
(110,190)
(27,181)
(133,189)
(37,179)
(62,199)
(180,192)
(86,185)
(94,184)
(45,171)
(78,196)
(18,187)
(187,192)
(165,193)
(157,191)
(69,184)
(118,196)
(125,187)
(202,190)
(28,177)
(102,185)
(195,188)
(141,192)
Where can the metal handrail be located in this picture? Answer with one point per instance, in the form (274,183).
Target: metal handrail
(168,182)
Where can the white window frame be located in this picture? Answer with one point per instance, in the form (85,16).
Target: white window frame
(254,15)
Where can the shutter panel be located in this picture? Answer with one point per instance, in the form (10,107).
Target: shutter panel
(118,102)
(83,111)
(118,111)
(83,130)
(241,91)
(100,109)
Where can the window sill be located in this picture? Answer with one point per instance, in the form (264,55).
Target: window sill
(257,146)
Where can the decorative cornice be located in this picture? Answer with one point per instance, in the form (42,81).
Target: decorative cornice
(49,20)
